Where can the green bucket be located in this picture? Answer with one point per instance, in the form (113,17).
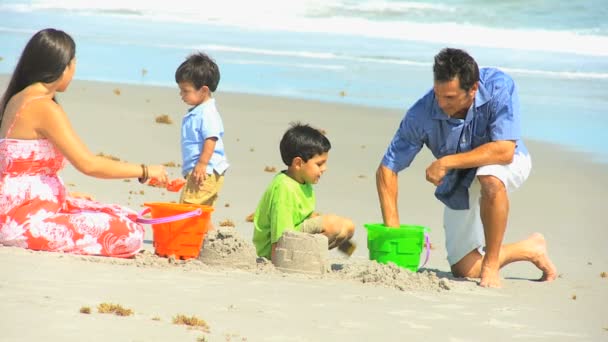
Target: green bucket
(401,246)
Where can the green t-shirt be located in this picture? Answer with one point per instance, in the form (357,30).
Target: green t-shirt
(285,204)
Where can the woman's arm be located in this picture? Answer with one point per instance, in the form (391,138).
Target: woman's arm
(53,124)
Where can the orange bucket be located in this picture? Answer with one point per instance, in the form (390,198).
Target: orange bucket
(178,229)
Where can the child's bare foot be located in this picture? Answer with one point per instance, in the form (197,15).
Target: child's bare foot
(540,258)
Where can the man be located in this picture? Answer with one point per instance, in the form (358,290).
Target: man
(470,121)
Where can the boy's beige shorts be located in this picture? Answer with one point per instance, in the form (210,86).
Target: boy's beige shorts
(204,194)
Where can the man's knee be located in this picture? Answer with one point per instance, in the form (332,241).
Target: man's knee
(491,187)
(457,271)
(468,266)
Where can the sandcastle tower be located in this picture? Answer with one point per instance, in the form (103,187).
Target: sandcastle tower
(224,246)
(301,253)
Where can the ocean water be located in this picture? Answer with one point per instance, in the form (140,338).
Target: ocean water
(369,52)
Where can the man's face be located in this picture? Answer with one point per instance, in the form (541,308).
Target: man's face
(452,99)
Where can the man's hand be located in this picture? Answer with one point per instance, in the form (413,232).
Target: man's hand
(436,171)
(199,173)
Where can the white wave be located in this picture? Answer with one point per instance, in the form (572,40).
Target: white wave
(289,65)
(299,54)
(558,74)
(226,6)
(16,30)
(326,56)
(381,7)
(378,59)
(187,9)
(294,16)
(283,53)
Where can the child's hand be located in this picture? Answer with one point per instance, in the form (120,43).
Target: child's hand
(199,173)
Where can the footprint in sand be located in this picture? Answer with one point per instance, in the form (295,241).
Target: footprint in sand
(449,306)
(419,315)
(503,324)
(412,325)
(352,324)
(549,334)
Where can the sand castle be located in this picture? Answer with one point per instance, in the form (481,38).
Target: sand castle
(224,246)
(301,253)
(295,252)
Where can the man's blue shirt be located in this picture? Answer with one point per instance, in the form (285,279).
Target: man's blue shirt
(200,123)
(494,116)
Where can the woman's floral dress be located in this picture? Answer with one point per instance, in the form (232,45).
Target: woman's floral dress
(37,213)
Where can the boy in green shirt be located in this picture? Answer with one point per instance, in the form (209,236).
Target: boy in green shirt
(289,200)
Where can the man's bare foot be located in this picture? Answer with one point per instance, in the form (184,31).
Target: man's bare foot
(540,258)
(490,276)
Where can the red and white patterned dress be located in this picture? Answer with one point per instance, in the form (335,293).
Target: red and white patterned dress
(37,213)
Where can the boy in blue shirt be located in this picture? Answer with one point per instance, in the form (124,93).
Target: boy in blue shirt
(203,159)
(289,201)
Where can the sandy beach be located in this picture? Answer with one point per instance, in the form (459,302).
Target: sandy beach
(41,294)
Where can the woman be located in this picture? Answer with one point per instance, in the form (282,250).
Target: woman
(36,212)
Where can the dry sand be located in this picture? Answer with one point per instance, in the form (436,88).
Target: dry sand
(42,293)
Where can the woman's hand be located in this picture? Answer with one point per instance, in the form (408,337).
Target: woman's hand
(159,173)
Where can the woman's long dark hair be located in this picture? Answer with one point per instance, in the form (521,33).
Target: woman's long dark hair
(44,59)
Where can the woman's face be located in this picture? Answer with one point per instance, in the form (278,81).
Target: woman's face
(67,76)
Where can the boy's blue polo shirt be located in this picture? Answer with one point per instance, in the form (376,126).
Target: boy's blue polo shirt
(494,116)
(200,123)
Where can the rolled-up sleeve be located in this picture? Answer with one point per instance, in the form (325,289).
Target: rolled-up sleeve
(212,125)
(406,143)
(505,124)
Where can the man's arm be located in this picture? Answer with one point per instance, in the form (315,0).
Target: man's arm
(387,184)
(406,143)
(494,152)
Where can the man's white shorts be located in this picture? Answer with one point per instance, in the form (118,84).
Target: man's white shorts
(463,228)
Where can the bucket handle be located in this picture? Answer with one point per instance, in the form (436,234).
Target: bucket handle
(427,243)
(167,219)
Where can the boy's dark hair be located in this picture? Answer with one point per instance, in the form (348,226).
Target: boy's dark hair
(451,63)
(200,70)
(302,141)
